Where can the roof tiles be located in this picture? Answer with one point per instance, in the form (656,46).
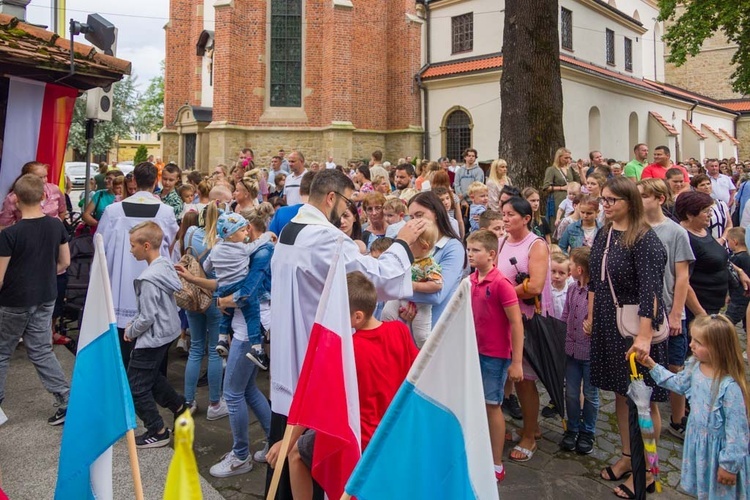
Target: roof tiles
(664,123)
(694,129)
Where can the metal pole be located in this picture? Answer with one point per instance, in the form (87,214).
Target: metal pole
(90,127)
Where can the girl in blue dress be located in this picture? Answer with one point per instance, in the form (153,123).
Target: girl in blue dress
(715,462)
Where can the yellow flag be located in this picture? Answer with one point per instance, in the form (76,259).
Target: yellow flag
(183,482)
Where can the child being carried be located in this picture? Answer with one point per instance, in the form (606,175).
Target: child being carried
(229,260)
(427,274)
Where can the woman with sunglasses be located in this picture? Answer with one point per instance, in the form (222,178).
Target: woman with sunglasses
(635,263)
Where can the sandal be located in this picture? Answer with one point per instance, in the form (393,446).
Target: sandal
(611,473)
(630,495)
(527,454)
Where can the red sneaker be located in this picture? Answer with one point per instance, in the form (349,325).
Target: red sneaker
(500,475)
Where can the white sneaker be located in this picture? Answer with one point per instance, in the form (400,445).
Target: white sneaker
(260,455)
(230,465)
(193,407)
(217,412)
(3,417)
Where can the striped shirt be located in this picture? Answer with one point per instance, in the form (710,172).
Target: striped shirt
(577,343)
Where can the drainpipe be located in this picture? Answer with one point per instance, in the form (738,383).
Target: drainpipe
(690,111)
(425,92)
(420,84)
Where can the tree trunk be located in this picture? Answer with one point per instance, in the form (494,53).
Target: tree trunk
(531,121)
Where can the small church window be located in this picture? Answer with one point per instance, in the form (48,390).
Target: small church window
(286,53)
(463,32)
(458,134)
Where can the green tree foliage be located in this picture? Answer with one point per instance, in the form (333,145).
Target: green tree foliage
(694,21)
(150,114)
(124,103)
(141,154)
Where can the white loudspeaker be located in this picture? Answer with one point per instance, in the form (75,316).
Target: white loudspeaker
(99,103)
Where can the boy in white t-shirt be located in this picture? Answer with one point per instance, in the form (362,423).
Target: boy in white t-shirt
(566,206)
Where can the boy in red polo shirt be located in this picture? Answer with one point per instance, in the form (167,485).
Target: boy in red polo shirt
(383,353)
(499,328)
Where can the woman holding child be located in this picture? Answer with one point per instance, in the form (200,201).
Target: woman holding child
(523,252)
(240,389)
(556,179)
(635,262)
(449,252)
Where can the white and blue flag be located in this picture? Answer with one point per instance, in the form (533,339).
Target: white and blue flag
(100,410)
(434,441)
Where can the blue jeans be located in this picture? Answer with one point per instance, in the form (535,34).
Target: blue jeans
(494,375)
(204,329)
(239,392)
(253,333)
(579,372)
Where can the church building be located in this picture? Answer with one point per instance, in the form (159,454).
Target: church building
(328,77)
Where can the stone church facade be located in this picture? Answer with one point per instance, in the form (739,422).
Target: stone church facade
(329,77)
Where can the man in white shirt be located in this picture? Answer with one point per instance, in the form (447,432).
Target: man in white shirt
(293,180)
(330,163)
(114,226)
(300,264)
(722,187)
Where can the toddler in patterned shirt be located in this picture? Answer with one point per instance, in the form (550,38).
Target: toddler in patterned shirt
(426,277)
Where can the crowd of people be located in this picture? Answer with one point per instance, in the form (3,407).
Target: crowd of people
(598,235)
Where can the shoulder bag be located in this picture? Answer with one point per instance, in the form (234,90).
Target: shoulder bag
(628,320)
(192,297)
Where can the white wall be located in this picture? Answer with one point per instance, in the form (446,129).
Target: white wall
(488,28)
(482,101)
(589,39)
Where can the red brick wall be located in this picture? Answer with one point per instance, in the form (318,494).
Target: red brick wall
(240,40)
(180,79)
(359,64)
(404,57)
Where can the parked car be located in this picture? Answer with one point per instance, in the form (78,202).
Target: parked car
(76,170)
(125,167)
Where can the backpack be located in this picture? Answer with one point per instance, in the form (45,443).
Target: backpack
(192,297)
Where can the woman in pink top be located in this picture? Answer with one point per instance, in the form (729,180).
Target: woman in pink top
(523,252)
(53,204)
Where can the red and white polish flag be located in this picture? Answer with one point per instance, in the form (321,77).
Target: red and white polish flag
(37,123)
(327,395)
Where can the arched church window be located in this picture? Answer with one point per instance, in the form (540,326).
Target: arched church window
(458,134)
(286,53)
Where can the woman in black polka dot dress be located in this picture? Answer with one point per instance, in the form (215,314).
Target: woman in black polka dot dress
(636,262)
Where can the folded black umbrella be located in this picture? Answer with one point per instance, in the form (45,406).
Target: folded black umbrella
(544,349)
(637,452)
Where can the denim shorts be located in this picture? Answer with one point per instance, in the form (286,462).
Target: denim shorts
(494,375)
(677,347)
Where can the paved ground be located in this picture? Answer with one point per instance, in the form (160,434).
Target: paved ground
(29,449)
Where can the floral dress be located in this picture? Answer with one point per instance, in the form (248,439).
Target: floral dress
(637,276)
(716,434)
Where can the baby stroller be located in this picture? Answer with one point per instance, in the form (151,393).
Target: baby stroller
(81,257)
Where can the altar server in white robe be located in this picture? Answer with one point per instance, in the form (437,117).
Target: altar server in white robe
(115,226)
(299,267)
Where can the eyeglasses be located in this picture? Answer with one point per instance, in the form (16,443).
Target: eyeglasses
(608,202)
(348,201)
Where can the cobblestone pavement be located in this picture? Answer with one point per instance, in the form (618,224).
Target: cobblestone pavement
(551,474)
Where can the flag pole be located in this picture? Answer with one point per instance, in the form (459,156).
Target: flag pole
(346,496)
(274,486)
(134,467)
